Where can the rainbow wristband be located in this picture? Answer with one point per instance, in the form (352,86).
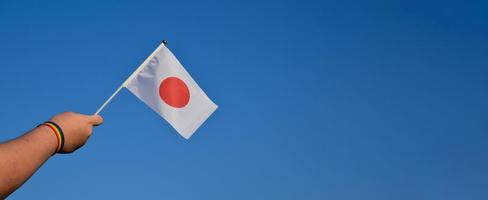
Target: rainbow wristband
(58,132)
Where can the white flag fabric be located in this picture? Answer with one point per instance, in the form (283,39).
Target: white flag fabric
(163,84)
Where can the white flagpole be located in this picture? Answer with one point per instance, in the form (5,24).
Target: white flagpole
(109,99)
(131,76)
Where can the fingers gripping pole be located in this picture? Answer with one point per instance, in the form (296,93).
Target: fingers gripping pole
(109,99)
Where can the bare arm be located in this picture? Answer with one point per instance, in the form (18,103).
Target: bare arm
(21,157)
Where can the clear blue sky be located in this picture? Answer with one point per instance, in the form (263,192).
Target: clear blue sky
(317,100)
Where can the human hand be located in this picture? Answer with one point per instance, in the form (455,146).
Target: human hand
(77,128)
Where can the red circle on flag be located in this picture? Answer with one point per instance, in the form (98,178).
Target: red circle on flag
(174,92)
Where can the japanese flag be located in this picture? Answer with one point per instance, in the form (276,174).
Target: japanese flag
(163,84)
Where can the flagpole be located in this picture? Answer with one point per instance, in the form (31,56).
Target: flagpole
(109,99)
(164,42)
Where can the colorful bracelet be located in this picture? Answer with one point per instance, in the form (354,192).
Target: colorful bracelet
(58,132)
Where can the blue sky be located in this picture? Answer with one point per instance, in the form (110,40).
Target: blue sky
(317,99)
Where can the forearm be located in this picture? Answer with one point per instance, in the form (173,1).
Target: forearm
(21,157)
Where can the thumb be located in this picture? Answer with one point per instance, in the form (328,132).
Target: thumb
(96,120)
